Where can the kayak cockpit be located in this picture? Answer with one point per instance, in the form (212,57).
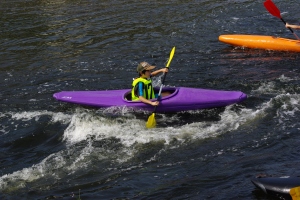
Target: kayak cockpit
(172,90)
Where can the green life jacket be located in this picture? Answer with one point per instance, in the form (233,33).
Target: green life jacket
(148,91)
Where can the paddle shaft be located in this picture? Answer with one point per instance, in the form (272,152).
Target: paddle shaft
(273,10)
(290,29)
(160,89)
(164,77)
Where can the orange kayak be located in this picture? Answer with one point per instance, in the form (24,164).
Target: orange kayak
(262,42)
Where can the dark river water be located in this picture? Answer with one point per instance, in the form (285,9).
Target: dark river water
(55,150)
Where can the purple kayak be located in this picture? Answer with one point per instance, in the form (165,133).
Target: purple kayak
(181,99)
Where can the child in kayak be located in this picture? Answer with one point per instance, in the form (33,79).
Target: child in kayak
(142,88)
(292,26)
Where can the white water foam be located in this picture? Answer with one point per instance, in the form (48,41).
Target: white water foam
(56,117)
(129,131)
(13,117)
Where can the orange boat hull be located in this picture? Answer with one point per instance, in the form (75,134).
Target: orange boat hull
(261,42)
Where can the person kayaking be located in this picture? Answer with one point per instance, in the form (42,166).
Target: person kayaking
(142,88)
(292,26)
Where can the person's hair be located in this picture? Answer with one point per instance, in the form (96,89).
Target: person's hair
(142,72)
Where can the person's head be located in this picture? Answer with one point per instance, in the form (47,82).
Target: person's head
(144,69)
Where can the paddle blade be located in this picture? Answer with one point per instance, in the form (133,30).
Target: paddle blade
(171,56)
(295,193)
(151,123)
(272,8)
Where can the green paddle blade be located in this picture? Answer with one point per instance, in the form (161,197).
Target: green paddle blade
(151,123)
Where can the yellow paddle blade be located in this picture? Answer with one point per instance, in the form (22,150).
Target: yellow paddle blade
(171,56)
(151,123)
(295,193)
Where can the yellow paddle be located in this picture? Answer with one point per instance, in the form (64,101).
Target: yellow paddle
(295,193)
(151,123)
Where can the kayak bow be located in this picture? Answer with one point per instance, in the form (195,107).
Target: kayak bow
(280,187)
(261,42)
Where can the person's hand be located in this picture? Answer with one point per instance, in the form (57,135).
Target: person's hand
(155,103)
(287,25)
(165,70)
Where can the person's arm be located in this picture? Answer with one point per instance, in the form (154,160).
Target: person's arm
(144,100)
(162,70)
(292,26)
